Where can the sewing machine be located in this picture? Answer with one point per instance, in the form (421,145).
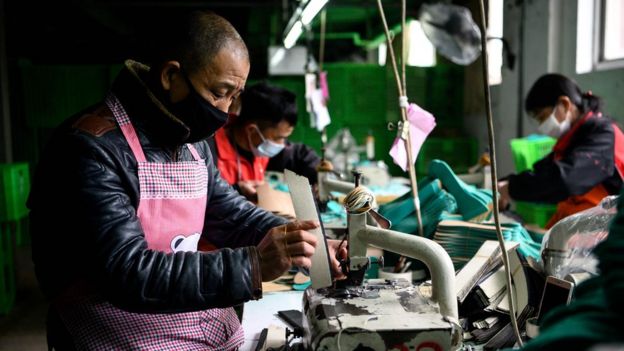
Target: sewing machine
(345,153)
(381,314)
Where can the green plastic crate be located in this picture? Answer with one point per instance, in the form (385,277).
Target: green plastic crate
(459,152)
(7,270)
(14,189)
(535,213)
(527,151)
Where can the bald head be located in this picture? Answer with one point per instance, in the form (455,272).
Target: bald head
(197,39)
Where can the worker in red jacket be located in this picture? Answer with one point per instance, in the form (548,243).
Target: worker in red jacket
(256,140)
(586,164)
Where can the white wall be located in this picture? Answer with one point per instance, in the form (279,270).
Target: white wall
(549,46)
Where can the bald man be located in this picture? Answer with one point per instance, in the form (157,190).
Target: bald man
(125,191)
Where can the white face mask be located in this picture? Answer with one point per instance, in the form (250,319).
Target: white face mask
(267,148)
(552,127)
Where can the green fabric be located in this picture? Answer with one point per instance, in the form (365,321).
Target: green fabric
(472,202)
(434,201)
(596,316)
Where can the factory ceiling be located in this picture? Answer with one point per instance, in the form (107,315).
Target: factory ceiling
(106,31)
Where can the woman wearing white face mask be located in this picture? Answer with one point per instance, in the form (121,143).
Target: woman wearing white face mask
(268,115)
(586,164)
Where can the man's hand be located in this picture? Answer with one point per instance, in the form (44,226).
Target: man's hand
(336,252)
(284,246)
(248,189)
(504,199)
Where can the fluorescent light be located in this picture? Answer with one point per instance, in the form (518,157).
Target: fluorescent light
(293,35)
(421,52)
(311,10)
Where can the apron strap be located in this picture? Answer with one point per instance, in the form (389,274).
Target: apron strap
(126,126)
(194,152)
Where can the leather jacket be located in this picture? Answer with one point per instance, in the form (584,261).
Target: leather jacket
(84,225)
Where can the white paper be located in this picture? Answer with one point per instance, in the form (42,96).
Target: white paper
(319,110)
(305,209)
(258,315)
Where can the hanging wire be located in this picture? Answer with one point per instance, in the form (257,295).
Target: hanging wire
(321,60)
(406,134)
(494,177)
(322,41)
(404,44)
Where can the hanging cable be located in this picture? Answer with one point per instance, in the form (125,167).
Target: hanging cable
(405,135)
(494,177)
(322,40)
(403,44)
(321,60)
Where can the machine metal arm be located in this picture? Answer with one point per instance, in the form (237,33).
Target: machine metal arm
(425,250)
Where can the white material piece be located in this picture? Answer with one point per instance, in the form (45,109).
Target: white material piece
(319,107)
(276,336)
(483,260)
(532,327)
(263,313)
(305,209)
(521,290)
(386,273)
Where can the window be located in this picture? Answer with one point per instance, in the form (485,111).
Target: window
(613,30)
(599,35)
(495,46)
(420,52)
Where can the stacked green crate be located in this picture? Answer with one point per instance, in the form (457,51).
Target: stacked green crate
(445,96)
(7,270)
(358,95)
(357,101)
(460,153)
(14,189)
(363,97)
(527,151)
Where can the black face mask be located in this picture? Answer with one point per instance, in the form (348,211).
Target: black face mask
(201,117)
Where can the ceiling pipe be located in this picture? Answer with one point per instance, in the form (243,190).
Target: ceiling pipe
(364,43)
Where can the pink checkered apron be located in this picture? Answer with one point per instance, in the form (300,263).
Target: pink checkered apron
(171,211)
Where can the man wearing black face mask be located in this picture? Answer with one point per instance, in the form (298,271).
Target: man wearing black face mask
(119,261)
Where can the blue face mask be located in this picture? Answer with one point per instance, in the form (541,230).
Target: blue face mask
(267,148)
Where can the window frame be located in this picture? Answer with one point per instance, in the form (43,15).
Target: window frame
(599,62)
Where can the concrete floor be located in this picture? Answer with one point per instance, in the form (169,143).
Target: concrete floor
(24,327)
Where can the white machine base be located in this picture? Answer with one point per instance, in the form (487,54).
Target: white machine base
(380,315)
